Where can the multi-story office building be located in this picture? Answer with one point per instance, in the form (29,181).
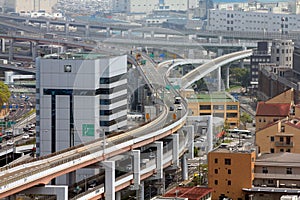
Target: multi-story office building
(79,97)
(229,171)
(256,22)
(216,104)
(28,5)
(148,6)
(261,55)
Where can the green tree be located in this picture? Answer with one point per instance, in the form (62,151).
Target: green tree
(240,76)
(245,118)
(4,93)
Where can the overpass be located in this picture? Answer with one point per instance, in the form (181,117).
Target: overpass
(201,71)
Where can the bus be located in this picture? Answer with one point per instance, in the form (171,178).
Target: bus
(237,133)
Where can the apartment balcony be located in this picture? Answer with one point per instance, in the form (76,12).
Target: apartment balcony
(284,144)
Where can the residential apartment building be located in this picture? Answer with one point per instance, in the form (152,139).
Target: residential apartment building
(216,104)
(28,5)
(272,110)
(79,97)
(230,169)
(275,175)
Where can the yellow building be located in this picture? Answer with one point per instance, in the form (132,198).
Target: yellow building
(281,136)
(229,171)
(216,104)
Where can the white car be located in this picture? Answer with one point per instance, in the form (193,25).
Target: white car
(25,137)
(10,142)
(179,107)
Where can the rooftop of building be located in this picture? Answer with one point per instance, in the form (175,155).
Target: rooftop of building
(192,193)
(273,109)
(234,147)
(284,157)
(211,97)
(79,56)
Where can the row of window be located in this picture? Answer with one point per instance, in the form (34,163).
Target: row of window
(272,150)
(113,79)
(115,110)
(114,100)
(228,182)
(282,50)
(227,161)
(228,171)
(288,170)
(112,90)
(260,60)
(112,122)
(218,107)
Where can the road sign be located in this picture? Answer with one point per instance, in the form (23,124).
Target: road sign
(88,130)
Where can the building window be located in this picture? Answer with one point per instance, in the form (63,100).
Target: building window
(229,171)
(216,182)
(272,150)
(289,171)
(216,160)
(281,139)
(265,170)
(232,107)
(288,150)
(282,128)
(216,171)
(281,150)
(229,182)
(272,138)
(227,161)
(205,107)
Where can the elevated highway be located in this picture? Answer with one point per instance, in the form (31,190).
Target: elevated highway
(19,177)
(212,65)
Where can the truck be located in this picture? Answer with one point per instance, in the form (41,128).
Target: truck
(50,35)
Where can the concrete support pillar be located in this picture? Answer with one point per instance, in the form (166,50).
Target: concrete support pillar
(118,195)
(227,77)
(184,168)
(129,33)
(242,63)
(152,34)
(159,159)
(220,39)
(175,141)
(143,35)
(209,133)
(110,176)
(60,191)
(71,177)
(108,33)
(136,169)
(87,30)
(2,45)
(122,34)
(67,28)
(33,50)
(47,26)
(190,145)
(141,191)
(220,52)
(11,50)
(219,79)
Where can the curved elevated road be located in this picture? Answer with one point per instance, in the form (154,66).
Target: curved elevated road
(212,65)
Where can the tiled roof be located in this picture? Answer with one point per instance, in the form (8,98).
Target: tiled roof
(192,193)
(273,109)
